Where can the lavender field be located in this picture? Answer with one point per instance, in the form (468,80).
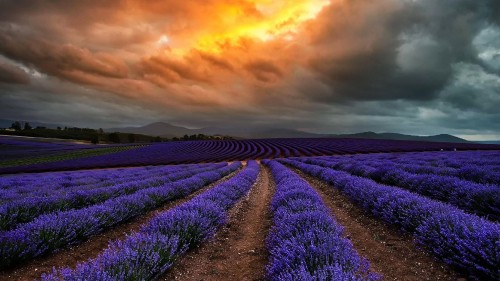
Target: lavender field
(277,209)
(250,140)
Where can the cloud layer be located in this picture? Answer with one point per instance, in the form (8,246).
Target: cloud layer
(413,66)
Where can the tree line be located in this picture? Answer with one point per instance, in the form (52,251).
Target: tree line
(95,136)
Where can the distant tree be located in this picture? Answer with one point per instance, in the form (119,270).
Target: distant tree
(95,139)
(40,127)
(16,126)
(176,139)
(157,139)
(186,137)
(114,137)
(27,126)
(59,128)
(131,138)
(65,128)
(101,131)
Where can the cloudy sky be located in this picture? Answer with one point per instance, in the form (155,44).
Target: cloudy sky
(409,66)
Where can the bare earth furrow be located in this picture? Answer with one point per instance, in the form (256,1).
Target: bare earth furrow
(70,257)
(238,251)
(389,251)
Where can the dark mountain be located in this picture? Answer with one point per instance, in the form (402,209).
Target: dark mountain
(445,138)
(395,136)
(284,133)
(169,131)
(255,132)
(155,129)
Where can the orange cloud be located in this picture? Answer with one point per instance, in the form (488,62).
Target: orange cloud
(265,71)
(220,53)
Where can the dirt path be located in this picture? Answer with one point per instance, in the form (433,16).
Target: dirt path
(238,251)
(390,252)
(91,248)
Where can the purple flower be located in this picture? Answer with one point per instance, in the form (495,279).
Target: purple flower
(305,242)
(466,242)
(148,253)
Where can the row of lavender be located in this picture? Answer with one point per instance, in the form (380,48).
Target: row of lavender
(18,147)
(305,242)
(146,254)
(466,242)
(75,197)
(51,232)
(444,160)
(476,198)
(15,187)
(476,166)
(216,151)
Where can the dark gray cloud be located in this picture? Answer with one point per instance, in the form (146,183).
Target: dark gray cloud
(59,60)
(392,49)
(10,73)
(47,100)
(473,89)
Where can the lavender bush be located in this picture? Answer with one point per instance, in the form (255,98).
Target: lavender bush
(305,242)
(14,187)
(476,166)
(480,199)
(51,232)
(146,254)
(466,242)
(225,150)
(25,210)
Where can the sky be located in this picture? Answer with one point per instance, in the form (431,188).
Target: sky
(410,66)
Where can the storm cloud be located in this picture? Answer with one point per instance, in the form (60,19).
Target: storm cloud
(426,66)
(12,74)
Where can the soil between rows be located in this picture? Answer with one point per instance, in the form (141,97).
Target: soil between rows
(238,250)
(390,252)
(91,248)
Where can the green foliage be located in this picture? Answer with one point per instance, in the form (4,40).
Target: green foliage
(131,138)
(96,136)
(114,137)
(75,133)
(95,139)
(201,137)
(16,126)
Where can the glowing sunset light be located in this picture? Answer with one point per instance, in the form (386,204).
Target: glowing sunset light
(163,41)
(268,20)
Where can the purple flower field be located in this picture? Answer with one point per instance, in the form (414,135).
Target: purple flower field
(197,211)
(191,152)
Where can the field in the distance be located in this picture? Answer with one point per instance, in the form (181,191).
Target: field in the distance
(272,209)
